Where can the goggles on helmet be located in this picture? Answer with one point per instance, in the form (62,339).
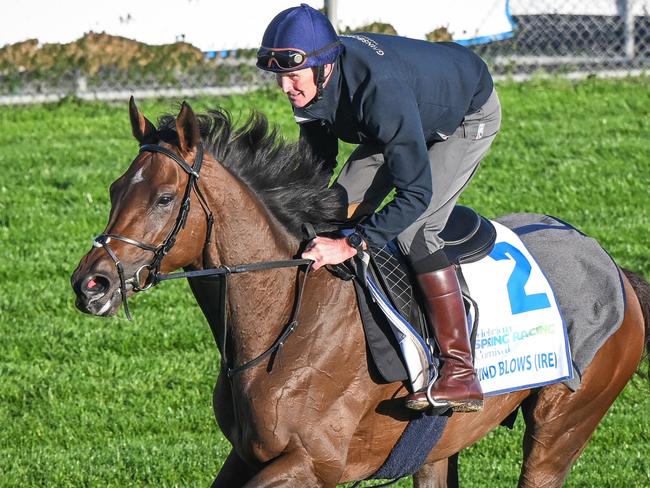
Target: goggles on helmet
(287,58)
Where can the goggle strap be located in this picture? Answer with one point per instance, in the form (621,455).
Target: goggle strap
(323,49)
(300,51)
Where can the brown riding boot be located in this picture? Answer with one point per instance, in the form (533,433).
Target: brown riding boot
(457,383)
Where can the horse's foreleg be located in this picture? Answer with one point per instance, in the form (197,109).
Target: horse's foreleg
(234,472)
(294,468)
(439,474)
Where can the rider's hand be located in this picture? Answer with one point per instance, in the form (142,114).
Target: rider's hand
(323,250)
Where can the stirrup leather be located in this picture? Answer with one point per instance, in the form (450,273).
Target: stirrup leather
(415,351)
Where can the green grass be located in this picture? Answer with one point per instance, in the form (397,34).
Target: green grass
(93,402)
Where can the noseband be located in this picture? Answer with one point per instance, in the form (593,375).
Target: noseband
(160,251)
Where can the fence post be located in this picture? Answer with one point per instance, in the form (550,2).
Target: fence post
(81,83)
(627,14)
(330,11)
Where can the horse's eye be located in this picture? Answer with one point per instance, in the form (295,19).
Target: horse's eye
(165,200)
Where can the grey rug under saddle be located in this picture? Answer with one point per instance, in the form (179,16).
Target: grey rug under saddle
(586,281)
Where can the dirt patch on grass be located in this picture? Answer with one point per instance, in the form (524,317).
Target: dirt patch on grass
(93,51)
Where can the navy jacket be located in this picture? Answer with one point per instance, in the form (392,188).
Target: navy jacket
(400,95)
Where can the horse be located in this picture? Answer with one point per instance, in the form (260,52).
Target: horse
(304,407)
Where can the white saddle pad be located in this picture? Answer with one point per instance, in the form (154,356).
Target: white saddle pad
(521,340)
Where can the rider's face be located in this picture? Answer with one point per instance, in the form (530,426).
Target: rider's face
(299,86)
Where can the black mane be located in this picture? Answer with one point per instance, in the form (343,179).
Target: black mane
(288,177)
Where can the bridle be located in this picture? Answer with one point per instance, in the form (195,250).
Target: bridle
(154,275)
(160,251)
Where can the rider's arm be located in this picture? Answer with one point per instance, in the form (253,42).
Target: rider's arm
(394,122)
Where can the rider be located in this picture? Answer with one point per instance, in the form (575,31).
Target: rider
(423,115)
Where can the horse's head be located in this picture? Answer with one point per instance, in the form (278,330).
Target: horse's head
(150,227)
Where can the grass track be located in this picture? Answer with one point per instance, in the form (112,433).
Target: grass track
(91,402)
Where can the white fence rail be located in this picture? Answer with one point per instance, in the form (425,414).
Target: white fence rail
(518,39)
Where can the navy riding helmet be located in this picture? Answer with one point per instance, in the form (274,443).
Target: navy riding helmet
(297,38)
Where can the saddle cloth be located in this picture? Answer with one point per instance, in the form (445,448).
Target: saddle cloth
(524,354)
(521,339)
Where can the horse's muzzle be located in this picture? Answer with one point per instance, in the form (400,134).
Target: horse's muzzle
(97,294)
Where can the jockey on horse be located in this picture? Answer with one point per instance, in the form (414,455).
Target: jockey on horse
(423,115)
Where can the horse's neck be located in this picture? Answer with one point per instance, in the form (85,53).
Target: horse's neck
(244,230)
(259,302)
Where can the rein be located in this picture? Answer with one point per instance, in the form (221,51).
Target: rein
(246,268)
(154,275)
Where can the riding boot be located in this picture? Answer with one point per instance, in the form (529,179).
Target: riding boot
(457,384)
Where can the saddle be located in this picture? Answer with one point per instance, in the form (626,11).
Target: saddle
(468,237)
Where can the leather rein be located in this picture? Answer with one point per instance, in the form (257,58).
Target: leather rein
(154,275)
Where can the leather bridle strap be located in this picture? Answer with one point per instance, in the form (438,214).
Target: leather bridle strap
(239,268)
(246,268)
(162,250)
(276,347)
(102,241)
(159,252)
(190,170)
(193,172)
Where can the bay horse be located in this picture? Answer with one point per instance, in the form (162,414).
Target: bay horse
(202,195)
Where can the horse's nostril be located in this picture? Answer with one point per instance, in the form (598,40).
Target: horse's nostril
(96,285)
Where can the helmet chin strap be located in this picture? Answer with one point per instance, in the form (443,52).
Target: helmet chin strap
(320,80)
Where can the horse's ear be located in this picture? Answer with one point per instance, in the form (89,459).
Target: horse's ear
(141,128)
(187,128)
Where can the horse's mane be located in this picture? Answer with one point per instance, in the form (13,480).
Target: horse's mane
(288,177)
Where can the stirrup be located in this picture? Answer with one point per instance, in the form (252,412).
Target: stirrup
(435,404)
(464,406)
(432,406)
(435,407)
